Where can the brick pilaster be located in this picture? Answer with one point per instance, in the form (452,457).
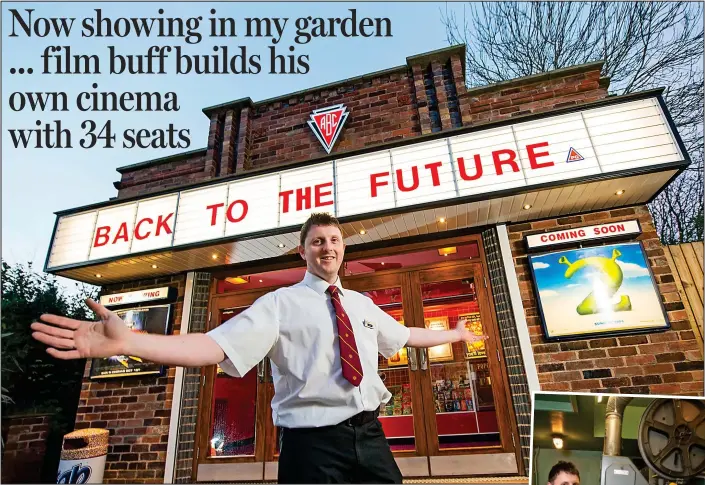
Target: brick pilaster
(227,157)
(421,99)
(441,94)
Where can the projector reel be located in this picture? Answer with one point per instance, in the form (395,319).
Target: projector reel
(672,437)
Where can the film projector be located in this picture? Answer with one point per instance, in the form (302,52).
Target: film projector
(671,439)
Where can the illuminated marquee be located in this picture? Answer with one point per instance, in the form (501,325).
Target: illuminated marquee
(608,139)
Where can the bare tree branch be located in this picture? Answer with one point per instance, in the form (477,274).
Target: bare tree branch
(643,45)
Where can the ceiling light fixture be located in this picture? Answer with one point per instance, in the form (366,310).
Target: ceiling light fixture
(619,192)
(280,245)
(447,251)
(558,442)
(214,256)
(238,280)
(98,275)
(154,266)
(527,207)
(442,220)
(363,232)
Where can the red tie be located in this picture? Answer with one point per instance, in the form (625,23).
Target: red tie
(349,358)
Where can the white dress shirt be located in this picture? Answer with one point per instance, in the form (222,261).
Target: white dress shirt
(295,327)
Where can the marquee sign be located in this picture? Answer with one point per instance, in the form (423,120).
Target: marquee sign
(606,139)
(579,234)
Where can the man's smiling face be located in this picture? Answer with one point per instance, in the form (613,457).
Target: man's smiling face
(323,251)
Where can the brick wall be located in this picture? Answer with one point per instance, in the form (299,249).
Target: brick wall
(381,109)
(657,363)
(25,447)
(135,410)
(161,174)
(534,94)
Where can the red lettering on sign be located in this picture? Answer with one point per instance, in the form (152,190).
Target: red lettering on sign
(319,194)
(162,224)
(433,167)
(285,200)
(414,178)
(229,213)
(543,238)
(214,211)
(101,236)
(121,233)
(139,236)
(533,155)
(151,294)
(374,182)
(303,198)
(478,168)
(114,299)
(510,157)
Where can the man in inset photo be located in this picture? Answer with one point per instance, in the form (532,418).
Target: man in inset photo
(564,473)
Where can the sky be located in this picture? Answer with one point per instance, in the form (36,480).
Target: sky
(36,182)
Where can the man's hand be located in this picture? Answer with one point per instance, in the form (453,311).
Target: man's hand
(74,339)
(466,335)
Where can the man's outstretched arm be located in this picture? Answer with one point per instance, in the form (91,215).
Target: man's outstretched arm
(74,339)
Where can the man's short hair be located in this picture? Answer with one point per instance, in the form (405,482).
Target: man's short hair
(318,219)
(562,466)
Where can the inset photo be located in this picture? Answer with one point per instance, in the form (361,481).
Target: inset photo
(619,439)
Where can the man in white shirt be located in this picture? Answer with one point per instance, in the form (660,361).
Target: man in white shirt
(323,342)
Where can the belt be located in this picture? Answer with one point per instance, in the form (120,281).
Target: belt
(361,418)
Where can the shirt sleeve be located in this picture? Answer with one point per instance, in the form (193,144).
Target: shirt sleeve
(248,337)
(391,335)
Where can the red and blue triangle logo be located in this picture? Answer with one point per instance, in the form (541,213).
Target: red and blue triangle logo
(574,156)
(327,123)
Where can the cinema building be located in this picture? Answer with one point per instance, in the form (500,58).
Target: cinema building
(518,206)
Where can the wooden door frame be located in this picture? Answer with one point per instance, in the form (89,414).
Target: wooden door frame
(208,376)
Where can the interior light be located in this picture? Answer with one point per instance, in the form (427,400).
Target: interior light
(363,232)
(527,206)
(98,275)
(619,192)
(599,398)
(558,442)
(280,245)
(214,256)
(382,263)
(442,220)
(238,280)
(154,266)
(447,251)
(260,281)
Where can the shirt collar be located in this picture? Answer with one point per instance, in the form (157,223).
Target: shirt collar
(320,285)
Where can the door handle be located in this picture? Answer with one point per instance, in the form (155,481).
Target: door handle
(424,358)
(411,354)
(260,371)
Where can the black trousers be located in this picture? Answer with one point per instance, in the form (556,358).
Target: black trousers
(344,453)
